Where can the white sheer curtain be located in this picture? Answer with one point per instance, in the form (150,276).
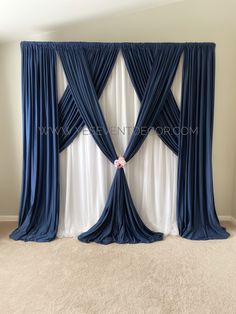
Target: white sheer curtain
(86,174)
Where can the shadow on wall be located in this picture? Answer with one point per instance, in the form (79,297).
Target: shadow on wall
(178,21)
(10,134)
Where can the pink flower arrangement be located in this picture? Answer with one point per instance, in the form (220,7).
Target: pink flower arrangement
(120,162)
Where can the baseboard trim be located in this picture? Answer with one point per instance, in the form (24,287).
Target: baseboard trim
(8,218)
(15,218)
(228,218)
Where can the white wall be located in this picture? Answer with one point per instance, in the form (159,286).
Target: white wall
(190,21)
(233,212)
(10,129)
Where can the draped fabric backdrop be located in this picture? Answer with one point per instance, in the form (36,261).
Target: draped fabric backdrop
(141,207)
(82,198)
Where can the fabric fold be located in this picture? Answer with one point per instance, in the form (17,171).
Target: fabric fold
(197,219)
(39,207)
(76,66)
(166,60)
(120,221)
(100,64)
(139,62)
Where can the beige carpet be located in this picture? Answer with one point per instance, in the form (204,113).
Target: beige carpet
(66,276)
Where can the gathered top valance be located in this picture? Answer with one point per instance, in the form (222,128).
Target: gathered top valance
(119,45)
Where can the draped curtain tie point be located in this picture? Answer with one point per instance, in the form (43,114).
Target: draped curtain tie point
(120,162)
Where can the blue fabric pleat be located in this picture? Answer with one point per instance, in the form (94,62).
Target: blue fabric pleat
(39,207)
(70,121)
(196,215)
(167,124)
(166,60)
(77,71)
(120,221)
(139,68)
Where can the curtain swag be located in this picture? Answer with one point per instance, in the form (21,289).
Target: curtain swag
(87,66)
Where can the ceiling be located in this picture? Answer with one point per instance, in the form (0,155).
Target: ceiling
(24,18)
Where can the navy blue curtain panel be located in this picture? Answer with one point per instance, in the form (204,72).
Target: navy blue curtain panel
(38,216)
(197,217)
(80,80)
(100,65)
(139,62)
(166,60)
(152,69)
